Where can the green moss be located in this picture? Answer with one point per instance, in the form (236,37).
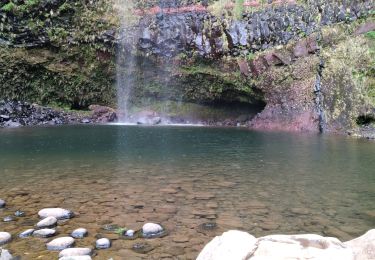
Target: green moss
(9,7)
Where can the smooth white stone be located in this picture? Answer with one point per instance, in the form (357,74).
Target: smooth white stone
(26,233)
(47,222)
(151,228)
(60,243)
(76,251)
(58,213)
(79,233)
(103,243)
(5,238)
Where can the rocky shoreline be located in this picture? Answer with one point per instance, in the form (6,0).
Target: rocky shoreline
(15,114)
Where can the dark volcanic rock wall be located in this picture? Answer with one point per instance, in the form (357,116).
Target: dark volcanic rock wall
(209,35)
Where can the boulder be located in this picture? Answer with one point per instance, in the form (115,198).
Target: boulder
(300,247)
(237,245)
(363,246)
(230,245)
(60,243)
(58,213)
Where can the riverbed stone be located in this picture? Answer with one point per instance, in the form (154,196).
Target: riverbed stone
(60,243)
(48,222)
(26,233)
(79,233)
(43,233)
(142,248)
(58,213)
(150,229)
(2,203)
(8,219)
(80,257)
(5,238)
(103,243)
(130,233)
(76,251)
(19,213)
(5,254)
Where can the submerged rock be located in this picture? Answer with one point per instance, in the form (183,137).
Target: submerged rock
(2,203)
(81,257)
(76,251)
(8,219)
(26,233)
(5,238)
(48,222)
(60,243)
(79,233)
(103,243)
(44,233)
(58,213)
(142,248)
(5,255)
(19,213)
(150,230)
(129,233)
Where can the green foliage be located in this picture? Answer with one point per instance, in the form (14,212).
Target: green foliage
(120,231)
(9,7)
(238,9)
(371,35)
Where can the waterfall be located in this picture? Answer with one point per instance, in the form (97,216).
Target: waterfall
(125,59)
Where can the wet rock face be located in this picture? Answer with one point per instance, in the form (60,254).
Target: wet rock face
(208,35)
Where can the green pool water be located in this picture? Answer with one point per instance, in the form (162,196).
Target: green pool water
(182,177)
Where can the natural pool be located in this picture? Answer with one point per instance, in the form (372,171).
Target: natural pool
(182,177)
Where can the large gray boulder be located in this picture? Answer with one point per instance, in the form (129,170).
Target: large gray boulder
(363,246)
(230,245)
(237,245)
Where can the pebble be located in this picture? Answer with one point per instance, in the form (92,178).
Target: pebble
(130,233)
(58,213)
(48,222)
(150,229)
(76,251)
(43,233)
(80,257)
(19,213)
(26,233)
(79,233)
(8,219)
(103,243)
(5,237)
(2,203)
(60,243)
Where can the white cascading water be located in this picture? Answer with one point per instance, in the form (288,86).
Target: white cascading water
(125,60)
